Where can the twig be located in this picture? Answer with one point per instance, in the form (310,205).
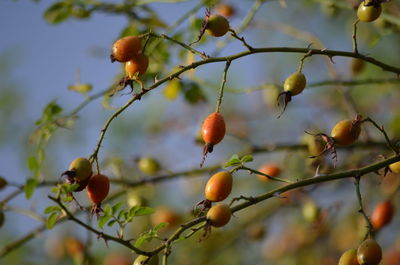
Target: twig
(354,36)
(100,234)
(382,130)
(221,90)
(361,209)
(263,174)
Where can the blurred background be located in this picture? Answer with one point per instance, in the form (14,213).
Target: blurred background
(47,55)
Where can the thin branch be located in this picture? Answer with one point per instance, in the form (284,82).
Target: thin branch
(263,174)
(361,209)
(329,53)
(100,234)
(354,36)
(221,90)
(382,130)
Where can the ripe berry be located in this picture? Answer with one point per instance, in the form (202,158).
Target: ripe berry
(73,246)
(357,66)
(346,132)
(219,186)
(125,49)
(368,12)
(349,257)
(292,86)
(225,10)
(3,183)
(97,189)
(369,253)
(219,215)
(117,259)
(137,65)
(217,26)
(149,165)
(269,169)
(382,214)
(165,215)
(395,167)
(140,260)
(212,132)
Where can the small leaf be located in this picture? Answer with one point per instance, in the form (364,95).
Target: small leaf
(52,209)
(143,211)
(58,12)
(122,213)
(51,220)
(111,222)
(108,210)
(141,240)
(117,206)
(81,88)
(103,220)
(247,158)
(71,187)
(159,226)
(33,164)
(30,187)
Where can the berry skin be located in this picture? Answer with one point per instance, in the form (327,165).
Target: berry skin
(349,257)
(395,167)
(369,253)
(98,188)
(219,186)
(125,49)
(345,132)
(137,65)
(292,86)
(73,246)
(382,214)
(140,260)
(212,131)
(225,10)
(217,26)
(295,83)
(219,215)
(81,167)
(166,215)
(149,165)
(368,13)
(269,169)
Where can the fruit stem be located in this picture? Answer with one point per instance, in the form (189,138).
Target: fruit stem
(221,90)
(361,209)
(354,36)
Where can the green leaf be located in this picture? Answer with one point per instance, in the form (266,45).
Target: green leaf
(116,207)
(111,222)
(143,211)
(103,220)
(122,213)
(51,220)
(159,226)
(233,161)
(58,12)
(141,240)
(33,164)
(247,158)
(68,188)
(30,187)
(52,209)
(108,210)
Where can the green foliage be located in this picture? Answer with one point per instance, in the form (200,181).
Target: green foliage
(236,161)
(149,235)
